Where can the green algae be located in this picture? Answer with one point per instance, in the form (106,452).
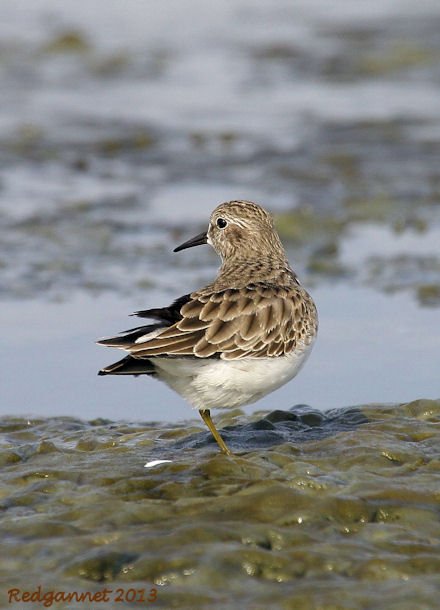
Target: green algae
(429,294)
(397,58)
(305,224)
(69,41)
(310,503)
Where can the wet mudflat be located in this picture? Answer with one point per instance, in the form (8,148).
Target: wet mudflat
(335,510)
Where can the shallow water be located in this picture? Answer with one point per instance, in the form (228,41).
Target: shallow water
(314,511)
(120,133)
(364,353)
(122,124)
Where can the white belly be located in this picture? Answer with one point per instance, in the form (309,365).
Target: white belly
(211,384)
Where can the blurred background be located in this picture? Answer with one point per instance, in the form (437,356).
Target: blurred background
(123,123)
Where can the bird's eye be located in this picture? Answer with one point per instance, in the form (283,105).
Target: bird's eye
(221,223)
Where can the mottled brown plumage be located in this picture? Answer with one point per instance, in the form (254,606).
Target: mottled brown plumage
(254,311)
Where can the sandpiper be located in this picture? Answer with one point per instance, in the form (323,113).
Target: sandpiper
(237,339)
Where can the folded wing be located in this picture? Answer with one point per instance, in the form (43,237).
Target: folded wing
(258,320)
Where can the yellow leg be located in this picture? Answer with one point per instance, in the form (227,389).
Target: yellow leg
(205,414)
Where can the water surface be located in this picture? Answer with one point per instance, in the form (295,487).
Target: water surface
(122,125)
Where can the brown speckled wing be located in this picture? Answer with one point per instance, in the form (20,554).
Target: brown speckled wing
(260,320)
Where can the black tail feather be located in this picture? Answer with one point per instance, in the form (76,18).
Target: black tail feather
(129,366)
(169,314)
(129,336)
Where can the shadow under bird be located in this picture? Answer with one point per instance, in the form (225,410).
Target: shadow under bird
(238,338)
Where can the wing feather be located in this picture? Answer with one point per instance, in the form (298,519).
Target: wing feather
(209,311)
(259,320)
(204,349)
(219,331)
(191,324)
(192,309)
(229,310)
(250,326)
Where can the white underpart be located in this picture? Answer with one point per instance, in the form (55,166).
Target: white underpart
(215,383)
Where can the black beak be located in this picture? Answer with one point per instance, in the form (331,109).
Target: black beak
(198,240)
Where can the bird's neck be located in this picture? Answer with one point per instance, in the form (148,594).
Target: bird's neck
(242,272)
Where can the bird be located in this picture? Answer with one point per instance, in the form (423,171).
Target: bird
(237,339)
